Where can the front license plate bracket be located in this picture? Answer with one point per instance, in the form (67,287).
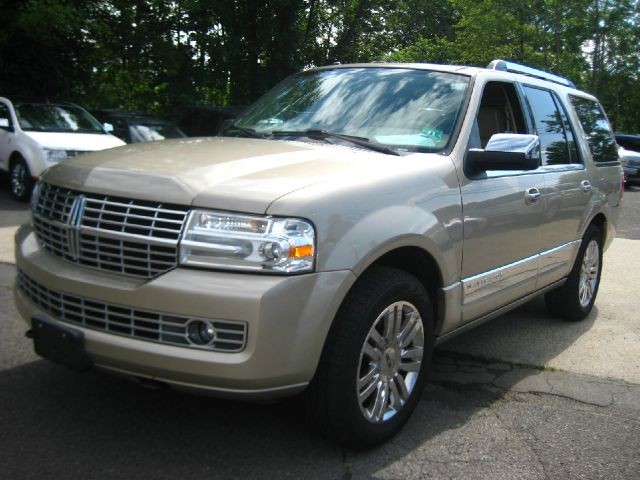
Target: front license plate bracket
(60,344)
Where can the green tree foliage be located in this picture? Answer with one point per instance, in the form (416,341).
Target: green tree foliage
(158,55)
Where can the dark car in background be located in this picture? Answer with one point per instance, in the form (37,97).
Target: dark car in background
(135,127)
(628,141)
(629,151)
(201,121)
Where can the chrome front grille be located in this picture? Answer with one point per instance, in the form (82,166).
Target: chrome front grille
(54,203)
(136,323)
(133,217)
(133,237)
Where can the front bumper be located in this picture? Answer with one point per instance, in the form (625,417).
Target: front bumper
(287,319)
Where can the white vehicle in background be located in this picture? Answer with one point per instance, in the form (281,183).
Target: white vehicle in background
(35,135)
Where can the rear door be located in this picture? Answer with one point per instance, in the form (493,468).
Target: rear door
(568,188)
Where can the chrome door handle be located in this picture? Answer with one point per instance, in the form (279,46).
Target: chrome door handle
(531,195)
(586,186)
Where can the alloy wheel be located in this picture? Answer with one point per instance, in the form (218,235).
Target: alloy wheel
(589,273)
(390,362)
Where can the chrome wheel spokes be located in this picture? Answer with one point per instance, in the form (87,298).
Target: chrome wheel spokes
(589,273)
(390,361)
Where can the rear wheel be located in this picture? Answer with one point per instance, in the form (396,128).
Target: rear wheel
(20,179)
(575,299)
(373,367)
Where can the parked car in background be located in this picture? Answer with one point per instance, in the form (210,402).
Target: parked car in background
(200,121)
(135,127)
(630,164)
(35,135)
(628,141)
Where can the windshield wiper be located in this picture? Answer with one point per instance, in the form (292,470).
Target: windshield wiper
(323,135)
(249,132)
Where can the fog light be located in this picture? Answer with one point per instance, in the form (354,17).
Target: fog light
(200,332)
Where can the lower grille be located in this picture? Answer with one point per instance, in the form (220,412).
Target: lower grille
(120,320)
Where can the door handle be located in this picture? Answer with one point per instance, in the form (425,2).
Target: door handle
(531,195)
(586,186)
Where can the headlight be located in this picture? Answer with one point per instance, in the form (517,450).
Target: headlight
(51,155)
(246,242)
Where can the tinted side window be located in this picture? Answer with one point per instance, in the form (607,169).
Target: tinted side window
(120,129)
(597,128)
(568,131)
(550,122)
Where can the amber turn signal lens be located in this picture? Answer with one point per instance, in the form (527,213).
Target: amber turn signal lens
(301,251)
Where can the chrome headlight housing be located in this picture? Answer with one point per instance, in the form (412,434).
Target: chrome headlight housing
(231,241)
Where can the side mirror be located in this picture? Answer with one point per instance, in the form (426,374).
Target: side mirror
(506,151)
(4,124)
(107,127)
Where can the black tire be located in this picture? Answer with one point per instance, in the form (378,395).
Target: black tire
(565,302)
(334,393)
(20,181)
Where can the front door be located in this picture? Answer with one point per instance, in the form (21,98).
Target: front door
(502,214)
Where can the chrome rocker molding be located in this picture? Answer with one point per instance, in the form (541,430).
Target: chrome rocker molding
(552,265)
(490,316)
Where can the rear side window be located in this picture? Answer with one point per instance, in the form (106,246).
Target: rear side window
(5,117)
(557,143)
(597,128)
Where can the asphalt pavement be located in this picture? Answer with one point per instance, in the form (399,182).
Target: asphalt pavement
(525,396)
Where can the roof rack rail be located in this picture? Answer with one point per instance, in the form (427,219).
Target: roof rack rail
(512,67)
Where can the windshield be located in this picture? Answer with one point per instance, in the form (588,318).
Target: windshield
(47,117)
(148,131)
(411,109)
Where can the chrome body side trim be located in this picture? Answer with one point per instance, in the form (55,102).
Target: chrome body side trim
(557,262)
(558,259)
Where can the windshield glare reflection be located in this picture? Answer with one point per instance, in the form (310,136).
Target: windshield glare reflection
(414,109)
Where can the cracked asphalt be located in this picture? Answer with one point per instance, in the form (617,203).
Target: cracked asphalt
(524,397)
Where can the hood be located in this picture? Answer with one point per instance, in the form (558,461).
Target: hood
(84,142)
(237,174)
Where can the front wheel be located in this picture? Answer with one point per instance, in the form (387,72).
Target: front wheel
(20,180)
(373,366)
(575,299)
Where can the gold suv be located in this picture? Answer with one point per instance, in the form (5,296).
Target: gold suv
(350,220)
